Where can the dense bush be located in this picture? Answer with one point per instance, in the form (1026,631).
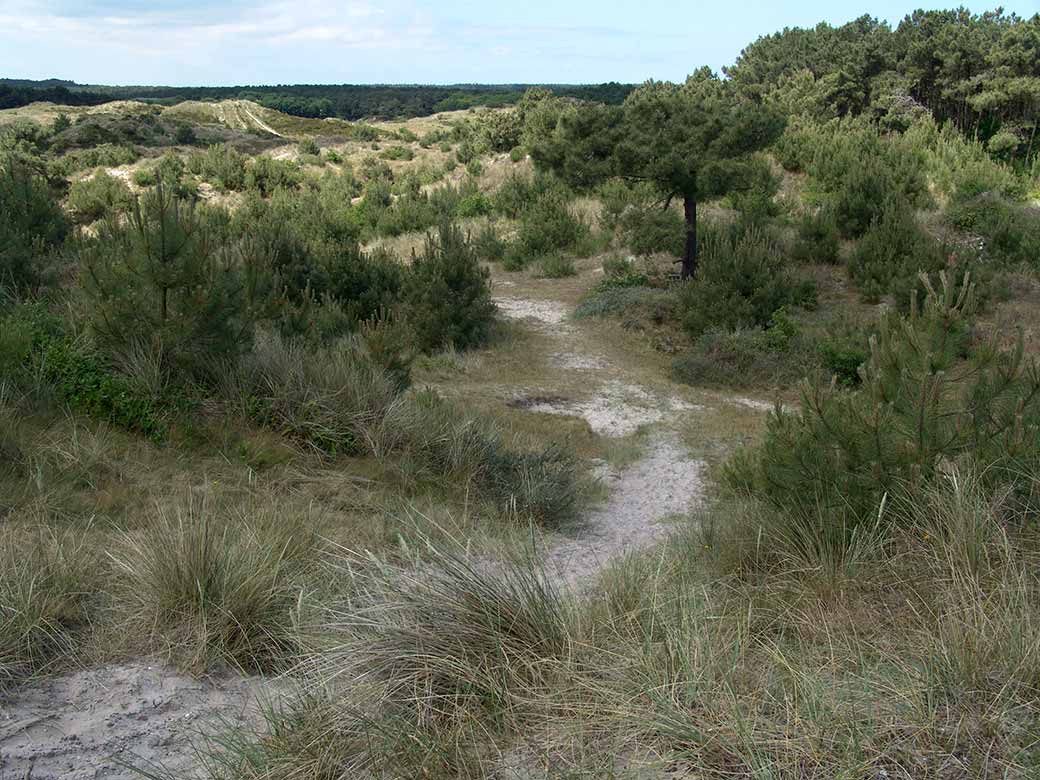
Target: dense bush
(651,229)
(447,294)
(1011,231)
(266,175)
(742,283)
(97,197)
(742,358)
(32,228)
(220,165)
(156,278)
(547,226)
(889,258)
(817,239)
(922,406)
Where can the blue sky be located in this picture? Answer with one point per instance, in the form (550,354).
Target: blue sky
(189,42)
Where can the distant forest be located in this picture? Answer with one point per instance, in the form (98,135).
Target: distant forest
(345,101)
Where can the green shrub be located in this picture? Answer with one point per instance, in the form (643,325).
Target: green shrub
(629,301)
(517,153)
(739,359)
(87,381)
(1011,231)
(266,174)
(519,190)
(220,165)
(447,294)
(648,230)
(473,204)
(889,258)
(99,196)
(156,278)
(33,226)
(754,197)
(488,245)
(184,135)
(922,406)
(742,282)
(145,177)
(397,153)
(818,240)
(547,226)
(308,147)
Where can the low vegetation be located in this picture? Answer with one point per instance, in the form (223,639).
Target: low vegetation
(256,412)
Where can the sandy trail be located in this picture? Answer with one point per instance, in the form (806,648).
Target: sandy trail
(666,481)
(92,723)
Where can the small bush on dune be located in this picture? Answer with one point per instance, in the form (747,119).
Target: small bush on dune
(157,278)
(651,229)
(742,282)
(556,267)
(893,252)
(487,244)
(922,404)
(213,588)
(397,153)
(97,197)
(818,240)
(266,175)
(624,300)
(220,165)
(1011,231)
(447,294)
(32,228)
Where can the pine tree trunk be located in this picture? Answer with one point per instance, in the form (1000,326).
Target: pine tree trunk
(689,261)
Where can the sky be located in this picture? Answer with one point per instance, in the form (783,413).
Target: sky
(236,42)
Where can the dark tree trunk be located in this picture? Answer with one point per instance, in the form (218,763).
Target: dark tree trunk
(689,260)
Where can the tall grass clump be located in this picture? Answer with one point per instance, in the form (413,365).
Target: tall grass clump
(208,586)
(46,582)
(329,398)
(452,638)
(540,485)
